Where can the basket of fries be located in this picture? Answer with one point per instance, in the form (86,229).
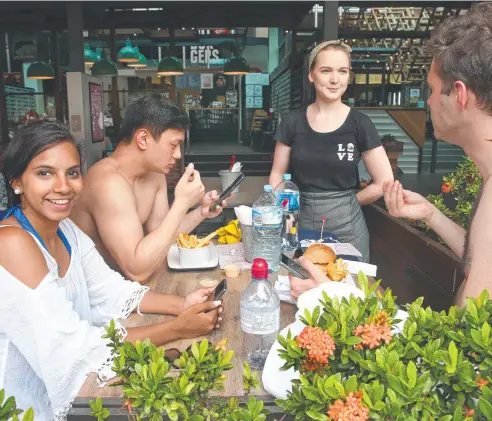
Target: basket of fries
(193,249)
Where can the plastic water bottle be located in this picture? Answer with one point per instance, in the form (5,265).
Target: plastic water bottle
(288,195)
(260,315)
(267,227)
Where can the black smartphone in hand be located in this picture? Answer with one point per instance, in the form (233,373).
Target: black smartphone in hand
(220,290)
(293,267)
(226,193)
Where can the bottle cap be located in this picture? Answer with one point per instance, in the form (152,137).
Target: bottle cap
(259,270)
(286,177)
(268,188)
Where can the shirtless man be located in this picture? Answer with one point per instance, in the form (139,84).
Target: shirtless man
(124,204)
(461,112)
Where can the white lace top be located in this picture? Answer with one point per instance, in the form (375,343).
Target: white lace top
(50,337)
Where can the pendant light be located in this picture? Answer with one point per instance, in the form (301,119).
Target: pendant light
(128,54)
(90,57)
(236,66)
(40,70)
(142,61)
(170,66)
(104,67)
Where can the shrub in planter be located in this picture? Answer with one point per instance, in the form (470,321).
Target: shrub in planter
(464,186)
(355,367)
(9,410)
(151,390)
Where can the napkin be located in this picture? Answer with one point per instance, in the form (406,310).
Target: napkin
(282,286)
(236,167)
(244,214)
(230,234)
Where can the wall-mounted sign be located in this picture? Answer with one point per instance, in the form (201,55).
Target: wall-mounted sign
(202,54)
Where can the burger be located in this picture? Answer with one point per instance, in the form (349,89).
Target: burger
(326,260)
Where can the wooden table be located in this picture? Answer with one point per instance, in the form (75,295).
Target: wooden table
(182,283)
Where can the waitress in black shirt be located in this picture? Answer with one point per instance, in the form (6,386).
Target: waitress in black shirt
(321,147)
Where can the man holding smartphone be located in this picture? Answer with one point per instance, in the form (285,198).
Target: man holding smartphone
(124,206)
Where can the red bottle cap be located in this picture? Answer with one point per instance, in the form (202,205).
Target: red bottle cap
(259,270)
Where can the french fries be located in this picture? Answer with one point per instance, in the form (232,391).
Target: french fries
(188,241)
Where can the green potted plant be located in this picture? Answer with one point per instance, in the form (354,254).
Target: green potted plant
(459,190)
(394,149)
(152,391)
(355,367)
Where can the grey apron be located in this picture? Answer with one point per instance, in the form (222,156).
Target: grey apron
(344,217)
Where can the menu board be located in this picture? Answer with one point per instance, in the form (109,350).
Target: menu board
(97,117)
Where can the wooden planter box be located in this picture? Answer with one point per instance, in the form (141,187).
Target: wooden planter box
(410,263)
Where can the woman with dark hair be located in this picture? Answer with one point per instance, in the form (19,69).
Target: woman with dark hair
(323,145)
(57,292)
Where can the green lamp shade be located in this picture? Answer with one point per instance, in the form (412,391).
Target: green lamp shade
(128,54)
(104,67)
(236,66)
(40,70)
(170,66)
(142,61)
(90,57)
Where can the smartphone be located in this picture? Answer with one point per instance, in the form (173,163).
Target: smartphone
(226,193)
(220,290)
(293,267)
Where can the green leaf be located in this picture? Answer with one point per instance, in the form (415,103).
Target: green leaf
(307,316)
(28,415)
(351,384)
(311,393)
(485,334)
(411,330)
(187,390)
(227,357)
(195,351)
(477,337)
(472,309)
(203,348)
(2,396)
(412,374)
(316,416)
(486,408)
(446,418)
(453,354)
(395,384)
(353,340)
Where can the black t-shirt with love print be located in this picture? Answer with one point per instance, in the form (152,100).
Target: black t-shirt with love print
(326,161)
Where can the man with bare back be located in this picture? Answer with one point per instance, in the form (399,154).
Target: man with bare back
(124,205)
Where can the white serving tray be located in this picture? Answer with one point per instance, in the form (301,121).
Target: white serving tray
(174,264)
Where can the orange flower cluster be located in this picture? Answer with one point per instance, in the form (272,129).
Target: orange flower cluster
(374,332)
(350,410)
(468,412)
(447,187)
(481,383)
(320,346)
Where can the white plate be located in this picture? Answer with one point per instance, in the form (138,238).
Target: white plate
(174,264)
